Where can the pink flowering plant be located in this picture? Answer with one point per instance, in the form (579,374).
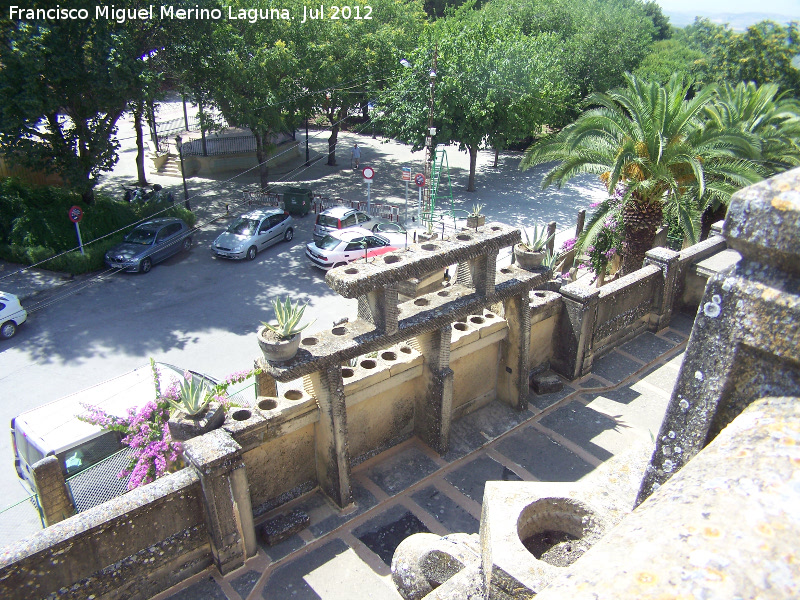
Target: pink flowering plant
(602,239)
(145,429)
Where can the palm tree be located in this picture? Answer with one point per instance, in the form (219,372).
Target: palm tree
(648,140)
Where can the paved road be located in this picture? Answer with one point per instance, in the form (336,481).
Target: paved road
(198,312)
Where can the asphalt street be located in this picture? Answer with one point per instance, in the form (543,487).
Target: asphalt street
(202,313)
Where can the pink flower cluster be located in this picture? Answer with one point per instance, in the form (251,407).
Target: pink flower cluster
(568,244)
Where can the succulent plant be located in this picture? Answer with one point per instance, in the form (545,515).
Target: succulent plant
(288,317)
(535,238)
(476,210)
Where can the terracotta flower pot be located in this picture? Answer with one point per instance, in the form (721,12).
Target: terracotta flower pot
(276,349)
(528,260)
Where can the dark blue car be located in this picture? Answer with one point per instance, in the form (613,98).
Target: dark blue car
(150,243)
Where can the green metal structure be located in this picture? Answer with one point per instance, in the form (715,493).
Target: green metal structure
(440,168)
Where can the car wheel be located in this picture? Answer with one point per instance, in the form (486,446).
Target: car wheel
(187,243)
(251,253)
(339,264)
(145,265)
(8,329)
(288,235)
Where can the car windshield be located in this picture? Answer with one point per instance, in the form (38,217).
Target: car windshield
(242,226)
(328,242)
(328,221)
(390,228)
(141,235)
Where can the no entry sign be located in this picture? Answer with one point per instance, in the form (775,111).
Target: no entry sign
(419,179)
(368,172)
(75,214)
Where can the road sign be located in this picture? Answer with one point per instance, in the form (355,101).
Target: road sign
(419,179)
(368,172)
(75,214)
(406,173)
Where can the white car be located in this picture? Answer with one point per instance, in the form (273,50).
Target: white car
(252,232)
(342,247)
(12,315)
(341,217)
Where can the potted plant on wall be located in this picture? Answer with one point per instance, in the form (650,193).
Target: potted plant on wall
(476,218)
(531,252)
(279,342)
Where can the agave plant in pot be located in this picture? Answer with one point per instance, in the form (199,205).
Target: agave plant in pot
(476,218)
(280,341)
(531,252)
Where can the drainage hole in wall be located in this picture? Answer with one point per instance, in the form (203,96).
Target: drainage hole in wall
(495,228)
(429,247)
(461,326)
(505,270)
(421,302)
(368,364)
(310,341)
(241,415)
(539,294)
(405,350)
(443,293)
(464,238)
(388,356)
(339,331)
(351,271)
(293,395)
(347,372)
(391,259)
(489,316)
(477,320)
(268,404)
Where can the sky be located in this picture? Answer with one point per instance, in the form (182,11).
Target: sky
(782,7)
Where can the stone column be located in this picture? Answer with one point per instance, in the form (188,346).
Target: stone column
(229,517)
(573,357)
(333,459)
(54,498)
(667,260)
(382,309)
(265,383)
(483,270)
(512,379)
(745,342)
(434,407)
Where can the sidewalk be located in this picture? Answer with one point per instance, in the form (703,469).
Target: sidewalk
(409,489)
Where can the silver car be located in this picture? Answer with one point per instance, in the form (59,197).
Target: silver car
(252,232)
(150,243)
(341,217)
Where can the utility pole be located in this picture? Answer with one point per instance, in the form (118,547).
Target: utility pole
(428,199)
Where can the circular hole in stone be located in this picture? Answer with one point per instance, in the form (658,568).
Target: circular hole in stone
(388,356)
(369,363)
(463,237)
(339,331)
(461,326)
(495,228)
(539,294)
(310,341)
(293,395)
(268,404)
(241,415)
(351,271)
(477,320)
(505,270)
(421,302)
(489,316)
(429,247)
(405,350)
(347,372)
(443,293)
(461,320)
(558,530)
(391,259)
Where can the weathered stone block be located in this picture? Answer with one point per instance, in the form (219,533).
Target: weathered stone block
(546,383)
(283,526)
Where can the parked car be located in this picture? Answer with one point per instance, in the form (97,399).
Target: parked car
(150,243)
(252,232)
(341,247)
(341,217)
(12,315)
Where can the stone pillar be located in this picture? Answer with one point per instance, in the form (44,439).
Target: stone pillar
(54,498)
(573,356)
(333,459)
(745,342)
(551,230)
(512,379)
(667,260)
(483,270)
(434,407)
(226,498)
(265,383)
(382,308)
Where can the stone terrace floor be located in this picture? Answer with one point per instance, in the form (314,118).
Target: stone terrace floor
(410,488)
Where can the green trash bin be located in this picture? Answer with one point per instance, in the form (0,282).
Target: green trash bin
(297,201)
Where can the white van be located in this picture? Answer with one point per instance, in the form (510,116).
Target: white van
(54,428)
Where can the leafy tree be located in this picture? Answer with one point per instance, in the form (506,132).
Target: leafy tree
(672,56)
(63,86)
(660,20)
(650,142)
(492,84)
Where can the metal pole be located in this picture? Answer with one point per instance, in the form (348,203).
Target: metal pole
(369,185)
(185,114)
(179,144)
(80,241)
(429,135)
(406,218)
(419,206)
(306,141)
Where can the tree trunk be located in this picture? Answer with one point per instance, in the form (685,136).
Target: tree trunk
(332,145)
(496,155)
(641,220)
(365,110)
(261,156)
(137,120)
(473,161)
(151,119)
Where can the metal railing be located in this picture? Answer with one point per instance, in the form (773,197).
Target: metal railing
(100,482)
(20,520)
(235,144)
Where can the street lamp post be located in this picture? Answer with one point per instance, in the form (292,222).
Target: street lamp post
(179,144)
(429,140)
